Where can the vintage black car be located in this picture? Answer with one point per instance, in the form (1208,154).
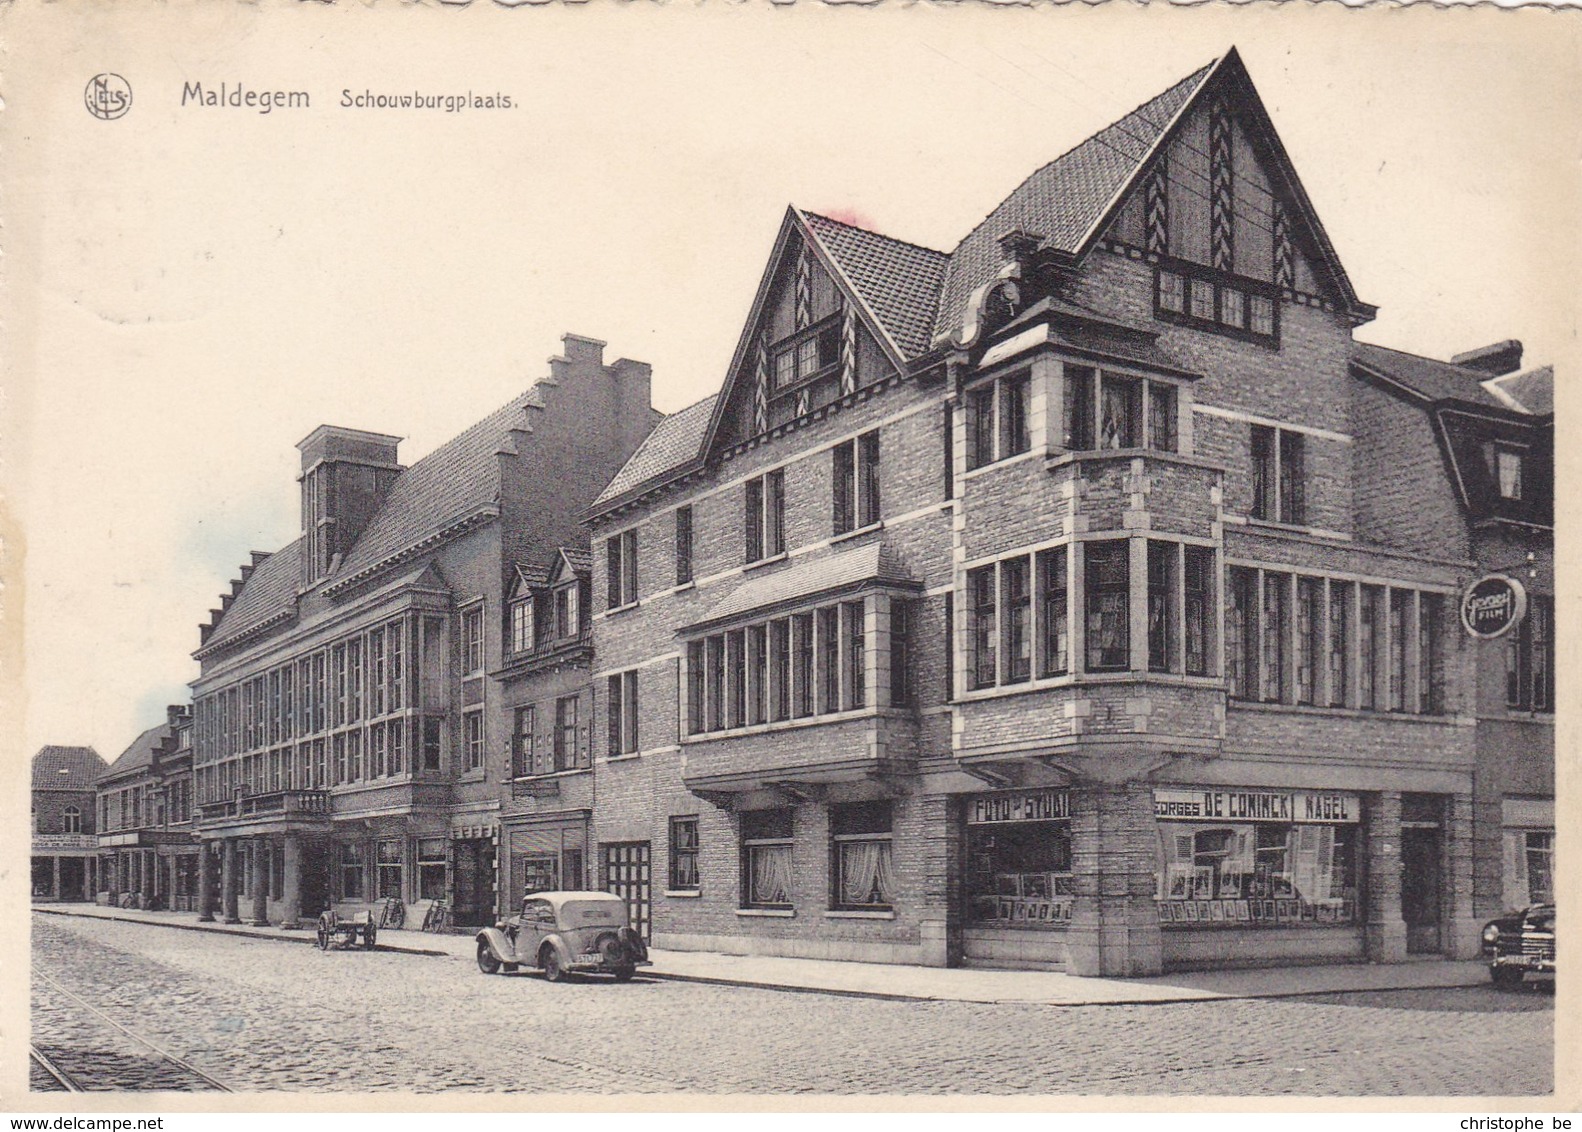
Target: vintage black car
(1519,944)
(564,932)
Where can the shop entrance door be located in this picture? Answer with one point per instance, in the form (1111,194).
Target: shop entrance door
(474,879)
(1421,889)
(628,873)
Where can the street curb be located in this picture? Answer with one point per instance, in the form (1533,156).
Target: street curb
(244,933)
(793,988)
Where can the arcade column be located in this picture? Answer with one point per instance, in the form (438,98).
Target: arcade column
(260,881)
(228,879)
(205,883)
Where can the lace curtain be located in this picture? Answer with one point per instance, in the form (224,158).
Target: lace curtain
(771,874)
(865,873)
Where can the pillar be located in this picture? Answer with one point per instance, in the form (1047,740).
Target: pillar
(939,924)
(54,888)
(228,881)
(1462,923)
(205,881)
(1386,930)
(291,914)
(260,882)
(146,887)
(1115,920)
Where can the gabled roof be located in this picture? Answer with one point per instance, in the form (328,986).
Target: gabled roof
(270,590)
(140,755)
(577,559)
(67,768)
(454,480)
(677,440)
(1429,379)
(900,282)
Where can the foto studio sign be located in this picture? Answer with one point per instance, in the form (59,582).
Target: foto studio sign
(1492,606)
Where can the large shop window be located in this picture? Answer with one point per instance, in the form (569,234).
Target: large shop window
(766,859)
(1529,867)
(862,865)
(1245,858)
(351,872)
(1019,860)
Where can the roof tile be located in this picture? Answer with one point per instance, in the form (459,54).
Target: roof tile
(1435,380)
(675,440)
(900,282)
(67,768)
(269,589)
(873,562)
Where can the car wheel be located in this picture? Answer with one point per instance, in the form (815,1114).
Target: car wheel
(624,974)
(1506,976)
(487,963)
(549,960)
(324,939)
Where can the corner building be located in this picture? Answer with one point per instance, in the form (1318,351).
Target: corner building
(1009,605)
(349,739)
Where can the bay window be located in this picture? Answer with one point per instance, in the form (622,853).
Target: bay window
(1108,603)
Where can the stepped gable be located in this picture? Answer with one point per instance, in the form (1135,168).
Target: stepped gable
(270,589)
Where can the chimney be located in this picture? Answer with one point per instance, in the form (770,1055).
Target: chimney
(1496,360)
(346,474)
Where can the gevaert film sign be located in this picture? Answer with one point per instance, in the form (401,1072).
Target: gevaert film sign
(1493,605)
(1027,805)
(1257,805)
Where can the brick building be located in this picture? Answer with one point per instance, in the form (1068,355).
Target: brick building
(64,866)
(1025,603)
(349,743)
(148,853)
(1464,451)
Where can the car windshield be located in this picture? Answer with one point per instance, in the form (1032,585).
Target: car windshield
(592,913)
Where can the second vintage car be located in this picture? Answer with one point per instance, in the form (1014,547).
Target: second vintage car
(563,932)
(1519,944)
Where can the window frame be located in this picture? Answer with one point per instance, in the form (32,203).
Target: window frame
(685,849)
(763,508)
(1255,301)
(683,545)
(842,819)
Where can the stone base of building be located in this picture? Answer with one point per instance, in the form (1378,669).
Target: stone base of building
(852,951)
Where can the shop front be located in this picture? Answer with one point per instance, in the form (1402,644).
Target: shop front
(544,852)
(1528,834)
(1252,876)
(1019,887)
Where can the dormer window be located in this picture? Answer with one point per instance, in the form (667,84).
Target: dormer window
(522,625)
(1505,469)
(567,613)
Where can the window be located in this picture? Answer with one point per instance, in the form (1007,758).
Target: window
(980,426)
(473,731)
(683,545)
(1241,634)
(1431,672)
(861,865)
(471,639)
(779,670)
(684,854)
(1399,601)
(1014,435)
(1368,645)
(901,629)
(390,869)
(757,674)
(376,751)
(621,569)
(1161,606)
(568,614)
(766,858)
(829,658)
(982,627)
(1529,659)
(431,868)
(1199,609)
(1274,629)
(1016,625)
(567,755)
(623,714)
(696,673)
(71,820)
(950,646)
(802,665)
(1309,638)
(856,483)
(433,741)
(1505,469)
(1108,602)
(765,515)
(1195,296)
(715,667)
(949,432)
(806,356)
(351,872)
(522,746)
(522,625)
(856,682)
(1107,411)
(1340,597)
(1054,654)
(1278,475)
(354,682)
(736,679)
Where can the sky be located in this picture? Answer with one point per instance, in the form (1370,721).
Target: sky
(192,290)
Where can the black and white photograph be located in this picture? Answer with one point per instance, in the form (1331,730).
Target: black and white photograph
(898,555)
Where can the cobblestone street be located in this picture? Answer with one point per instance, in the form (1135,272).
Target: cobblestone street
(261,1015)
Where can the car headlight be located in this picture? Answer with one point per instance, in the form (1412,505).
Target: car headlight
(1491,933)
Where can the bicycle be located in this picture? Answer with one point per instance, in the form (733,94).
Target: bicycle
(393,913)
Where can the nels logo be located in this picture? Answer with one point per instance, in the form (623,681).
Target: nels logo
(108,96)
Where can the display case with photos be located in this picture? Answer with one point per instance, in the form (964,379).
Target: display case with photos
(1258,874)
(1019,875)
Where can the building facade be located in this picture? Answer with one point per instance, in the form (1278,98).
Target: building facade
(1469,445)
(1022,604)
(349,743)
(64,862)
(148,853)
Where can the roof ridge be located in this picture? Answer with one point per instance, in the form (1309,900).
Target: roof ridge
(875,232)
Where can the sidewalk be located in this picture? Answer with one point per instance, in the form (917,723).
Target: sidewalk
(882,980)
